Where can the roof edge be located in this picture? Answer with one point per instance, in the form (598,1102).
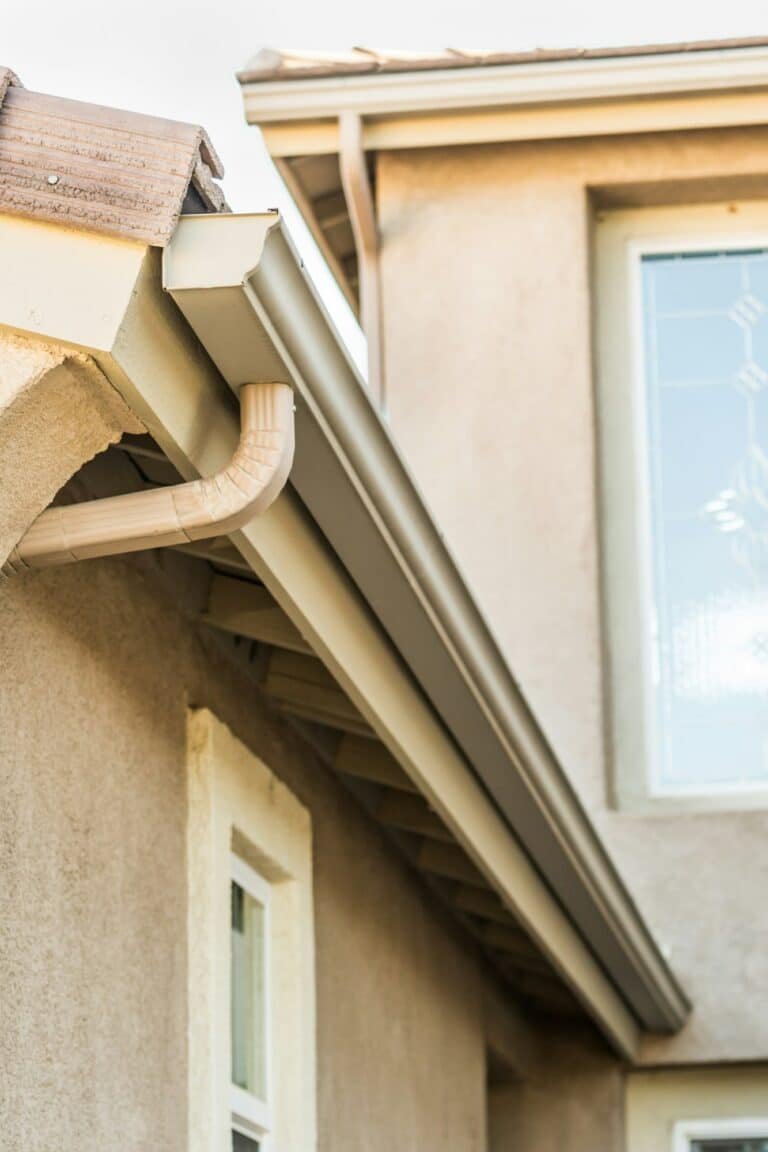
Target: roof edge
(391,100)
(275,64)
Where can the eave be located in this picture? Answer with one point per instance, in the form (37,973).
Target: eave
(543,96)
(384,98)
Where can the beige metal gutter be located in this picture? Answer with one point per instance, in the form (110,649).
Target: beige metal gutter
(179,514)
(241,287)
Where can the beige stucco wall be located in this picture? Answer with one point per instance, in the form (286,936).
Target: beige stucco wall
(487,307)
(57,410)
(571,1099)
(99,668)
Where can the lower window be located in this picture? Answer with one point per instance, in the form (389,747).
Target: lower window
(742,1135)
(250,995)
(251,952)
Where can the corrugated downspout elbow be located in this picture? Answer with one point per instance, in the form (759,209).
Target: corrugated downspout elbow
(176,515)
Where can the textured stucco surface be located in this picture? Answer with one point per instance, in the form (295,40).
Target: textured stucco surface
(571,1100)
(486,257)
(57,410)
(99,667)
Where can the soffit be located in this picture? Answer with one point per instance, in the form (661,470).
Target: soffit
(315,184)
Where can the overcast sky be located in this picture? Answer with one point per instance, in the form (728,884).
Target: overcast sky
(178,60)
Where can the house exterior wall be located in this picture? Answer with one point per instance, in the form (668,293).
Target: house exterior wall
(486,267)
(57,410)
(100,665)
(571,1099)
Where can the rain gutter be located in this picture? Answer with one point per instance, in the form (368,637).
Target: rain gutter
(243,290)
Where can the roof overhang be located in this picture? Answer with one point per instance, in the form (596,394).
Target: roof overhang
(430,107)
(352,557)
(533,97)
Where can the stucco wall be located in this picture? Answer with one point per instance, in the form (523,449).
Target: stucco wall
(487,306)
(57,410)
(571,1100)
(99,667)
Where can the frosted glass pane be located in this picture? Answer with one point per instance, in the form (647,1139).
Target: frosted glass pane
(248,993)
(706,378)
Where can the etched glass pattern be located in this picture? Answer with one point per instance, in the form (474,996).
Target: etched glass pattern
(705,318)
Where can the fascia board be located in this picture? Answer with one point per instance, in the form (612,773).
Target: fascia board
(66,285)
(448,90)
(521,122)
(350,476)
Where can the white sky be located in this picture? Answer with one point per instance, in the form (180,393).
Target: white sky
(178,60)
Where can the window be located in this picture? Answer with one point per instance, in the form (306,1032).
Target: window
(683,354)
(250,995)
(739,1135)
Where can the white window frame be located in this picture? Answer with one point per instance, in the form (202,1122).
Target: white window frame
(251,1115)
(622,238)
(237,808)
(686,1131)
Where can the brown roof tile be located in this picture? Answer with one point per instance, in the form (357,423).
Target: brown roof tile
(97,168)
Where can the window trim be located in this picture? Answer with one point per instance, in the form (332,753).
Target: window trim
(622,237)
(252,1115)
(237,806)
(748,1127)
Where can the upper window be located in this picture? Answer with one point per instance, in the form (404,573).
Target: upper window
(683,330)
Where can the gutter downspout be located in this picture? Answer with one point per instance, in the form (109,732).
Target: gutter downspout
(362,215)
(182,513)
